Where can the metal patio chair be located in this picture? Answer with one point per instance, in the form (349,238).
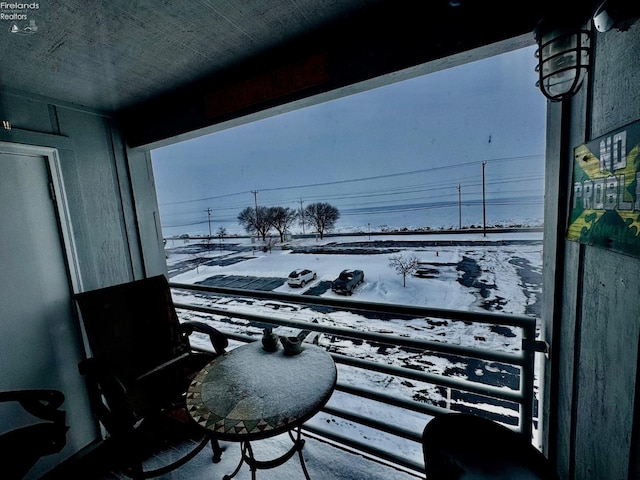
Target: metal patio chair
(460,445)
(140,366)
(22,447)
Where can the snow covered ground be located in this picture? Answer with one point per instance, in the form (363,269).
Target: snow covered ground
(382,284)
(463,272)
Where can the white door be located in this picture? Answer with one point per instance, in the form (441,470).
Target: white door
(39,341)
(34,285)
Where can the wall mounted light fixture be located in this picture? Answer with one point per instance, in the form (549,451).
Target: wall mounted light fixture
(563,59)
(619,14)
(564,44)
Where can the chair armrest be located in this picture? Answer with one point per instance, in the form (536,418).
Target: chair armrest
(25,444)
(218,340)
(41,403)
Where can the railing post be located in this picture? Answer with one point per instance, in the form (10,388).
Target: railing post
(528,378)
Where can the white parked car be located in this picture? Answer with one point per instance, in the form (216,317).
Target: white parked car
(300,277)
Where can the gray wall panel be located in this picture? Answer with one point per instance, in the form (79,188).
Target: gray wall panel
(566,355)
(94,200)
(607,370)
(616,88)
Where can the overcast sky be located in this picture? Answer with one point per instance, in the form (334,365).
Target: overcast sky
(390,156)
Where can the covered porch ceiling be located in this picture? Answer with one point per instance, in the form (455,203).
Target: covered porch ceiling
(171,68)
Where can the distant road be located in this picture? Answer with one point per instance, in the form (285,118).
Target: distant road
(379,234)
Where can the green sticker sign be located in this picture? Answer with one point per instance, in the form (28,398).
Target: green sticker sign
(605,203)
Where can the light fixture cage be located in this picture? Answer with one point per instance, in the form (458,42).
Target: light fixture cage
(563,61)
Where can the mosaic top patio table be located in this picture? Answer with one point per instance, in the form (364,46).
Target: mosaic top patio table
(250,394)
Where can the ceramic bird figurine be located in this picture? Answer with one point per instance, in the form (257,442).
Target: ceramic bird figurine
(292,345)
(269,340)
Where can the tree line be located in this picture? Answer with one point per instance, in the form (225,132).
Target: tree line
(260,221)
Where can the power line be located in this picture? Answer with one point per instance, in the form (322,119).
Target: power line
(381,200)
(438,187)
(205,198)
(361,179)
(386,205)
(346,210)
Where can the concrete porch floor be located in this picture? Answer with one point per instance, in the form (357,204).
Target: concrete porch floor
(324,462)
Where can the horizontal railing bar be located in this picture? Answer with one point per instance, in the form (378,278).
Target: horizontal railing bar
(368,421)
(406,373)
(458,384)
(387,399)
(520,321)
(240,337)
(451,382)
(391,400)
(365,447)
(491,355)
(435,379)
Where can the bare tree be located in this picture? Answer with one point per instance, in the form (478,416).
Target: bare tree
(404,265)
(258,222)
(321,216)
(268,244)
(282,218)
(221,233)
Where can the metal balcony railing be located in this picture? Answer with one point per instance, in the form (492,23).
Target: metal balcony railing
(511,402)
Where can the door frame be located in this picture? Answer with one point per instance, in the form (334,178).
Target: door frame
(61,206)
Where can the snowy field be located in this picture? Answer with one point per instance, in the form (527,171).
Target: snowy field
(382,284)
(461,273)
(508,272)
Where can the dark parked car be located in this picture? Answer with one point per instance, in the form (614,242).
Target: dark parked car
(347,281)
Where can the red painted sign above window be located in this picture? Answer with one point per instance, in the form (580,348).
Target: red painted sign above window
(270,85)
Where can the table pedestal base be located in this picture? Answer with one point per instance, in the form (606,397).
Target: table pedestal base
(246,456)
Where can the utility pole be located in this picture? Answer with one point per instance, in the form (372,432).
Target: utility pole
(208,210)
(255,200)
(459,208)
(484,210)
(301,215)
